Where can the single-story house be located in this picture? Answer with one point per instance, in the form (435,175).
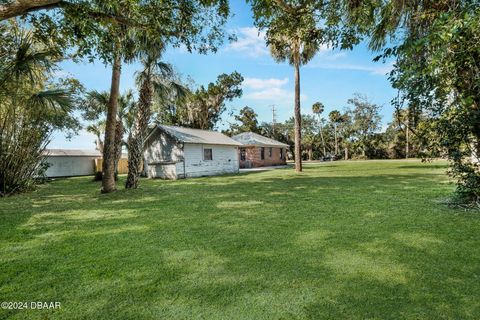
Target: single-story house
(176,152)
(70,162)
(260,151)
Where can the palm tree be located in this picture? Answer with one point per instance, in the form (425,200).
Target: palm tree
(308,142)
(335,118)
(156,83)
(97,129)
(126,104)
(95,107)
(287,45)
(318,108)
(30,107)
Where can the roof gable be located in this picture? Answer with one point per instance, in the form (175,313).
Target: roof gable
(254,139)
(197,136)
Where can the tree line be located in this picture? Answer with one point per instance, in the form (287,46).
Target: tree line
(354,132)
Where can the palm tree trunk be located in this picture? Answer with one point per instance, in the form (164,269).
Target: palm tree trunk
(134,160)
(336,140)
(321,136)
(137,137)
(346,153)
(99,143)
(108,181)
(119,131)
(407,135)
(298,121)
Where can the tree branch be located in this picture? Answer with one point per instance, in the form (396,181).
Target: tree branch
(20,7)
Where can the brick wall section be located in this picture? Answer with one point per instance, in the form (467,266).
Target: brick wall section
(253,157)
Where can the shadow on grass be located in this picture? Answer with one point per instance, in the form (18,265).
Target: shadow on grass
(423,166)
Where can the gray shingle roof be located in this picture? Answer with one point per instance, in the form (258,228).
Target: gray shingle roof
(72,153)
(254,139)
(197,136)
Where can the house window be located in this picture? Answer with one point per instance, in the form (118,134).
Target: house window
(242,154)
(207,154)
(281,153)
(270,151)
(262,153)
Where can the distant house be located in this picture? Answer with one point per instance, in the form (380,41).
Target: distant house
(70,162)
(260,151)
(176,152)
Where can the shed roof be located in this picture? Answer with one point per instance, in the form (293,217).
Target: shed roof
(254,139)
(197,136)
(72,153)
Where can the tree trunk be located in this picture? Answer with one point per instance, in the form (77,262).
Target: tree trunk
(119,131)
(298,121)
(474,155)
(108,181)
(134,161)
(346,153)
(136,139)
(321,136)
(336,140)
(407,136)
(19,7)
(99,143)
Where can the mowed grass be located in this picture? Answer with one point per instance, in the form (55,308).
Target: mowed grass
(346,240)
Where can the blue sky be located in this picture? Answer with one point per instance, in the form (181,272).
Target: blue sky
(332,77)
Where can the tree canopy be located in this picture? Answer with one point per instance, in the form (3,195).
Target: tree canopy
(246,121)
(436,48)
(32,105)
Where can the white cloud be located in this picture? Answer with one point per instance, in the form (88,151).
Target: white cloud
(250,41)
(271,89)
(334,55)
(256,83)
(372,69)
(273,94)
(324,48)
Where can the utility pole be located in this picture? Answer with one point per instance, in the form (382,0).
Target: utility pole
(274,115)
(407,134)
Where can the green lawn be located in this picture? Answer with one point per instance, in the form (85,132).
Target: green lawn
(351,240)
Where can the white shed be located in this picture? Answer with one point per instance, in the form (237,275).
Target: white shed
(71,162)
(177,152)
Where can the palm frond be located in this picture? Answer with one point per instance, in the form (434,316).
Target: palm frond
(27,60)
(165,69)
(126,102)
(56,99)
(94,104)
(181,91)
(97,128)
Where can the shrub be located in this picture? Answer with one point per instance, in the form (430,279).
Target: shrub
(31,107)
